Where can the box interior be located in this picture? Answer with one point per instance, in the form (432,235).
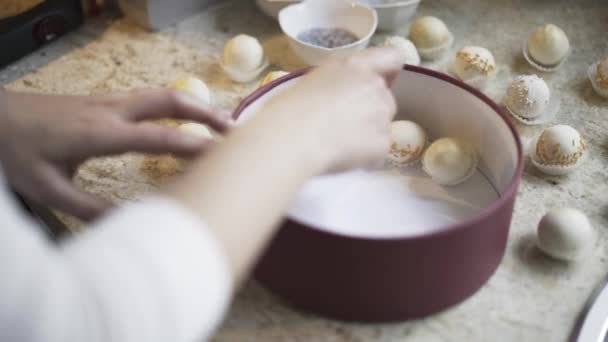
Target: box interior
(406,202)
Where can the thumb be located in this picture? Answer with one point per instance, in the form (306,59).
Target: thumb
(387,62)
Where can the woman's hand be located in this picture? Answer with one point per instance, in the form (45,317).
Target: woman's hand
(335,118)
(343,108)
(43,138)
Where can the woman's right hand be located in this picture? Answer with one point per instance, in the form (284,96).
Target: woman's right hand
(335,118)
(344,107)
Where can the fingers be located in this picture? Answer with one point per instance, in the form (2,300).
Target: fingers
(391,103)
(383,61)
(164,103)
(152,138)
(56,189)
(383,103)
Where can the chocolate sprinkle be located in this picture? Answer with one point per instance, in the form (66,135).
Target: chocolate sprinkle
(328,37)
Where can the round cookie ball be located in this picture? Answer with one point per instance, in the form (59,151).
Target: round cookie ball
(429,32)
(548,45)
(243,53)
(565,234)
(560,145)
(196,129)
(271,76)
(194,87)
(449,161)
(472,62)
(407,141)
(602,74)
(528,96)
(406,48)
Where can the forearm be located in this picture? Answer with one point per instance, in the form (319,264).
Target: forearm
(3,111)
(4,121)
(134,276)
(242,187)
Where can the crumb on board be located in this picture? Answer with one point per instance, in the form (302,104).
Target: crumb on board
(161,168)
(9,8)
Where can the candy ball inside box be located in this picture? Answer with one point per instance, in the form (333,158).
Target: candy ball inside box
(393,244)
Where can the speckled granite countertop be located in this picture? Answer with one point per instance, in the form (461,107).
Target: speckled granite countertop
(10,8)
(530,298)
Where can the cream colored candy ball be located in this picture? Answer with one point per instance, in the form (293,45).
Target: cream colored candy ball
(449,161)
(560,145)
(565,234)
(548,45)
(429,32)
(271,76)
(407,140)
(406,48)
(194,87)
(243,53)
(603,68)
(473,62)
(602,74)
(528,96)
(196,129)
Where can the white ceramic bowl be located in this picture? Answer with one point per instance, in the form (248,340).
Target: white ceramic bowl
(394,15)
(357,18)
(272,8)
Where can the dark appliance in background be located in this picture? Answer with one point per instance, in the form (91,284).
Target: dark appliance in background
(25,32)
(22,33)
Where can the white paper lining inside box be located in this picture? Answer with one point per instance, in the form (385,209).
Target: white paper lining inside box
(388,203)
(391,203)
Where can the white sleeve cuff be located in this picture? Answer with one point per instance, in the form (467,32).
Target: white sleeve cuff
(159,272)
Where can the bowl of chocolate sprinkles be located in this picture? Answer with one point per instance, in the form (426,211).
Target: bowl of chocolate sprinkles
(328,37)
(393,15)
(317,29)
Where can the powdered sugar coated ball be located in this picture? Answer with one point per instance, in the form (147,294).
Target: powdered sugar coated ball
(528,96)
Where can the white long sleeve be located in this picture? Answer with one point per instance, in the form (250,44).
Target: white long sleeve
(148,272)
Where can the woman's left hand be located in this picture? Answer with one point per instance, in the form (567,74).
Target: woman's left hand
(43,138)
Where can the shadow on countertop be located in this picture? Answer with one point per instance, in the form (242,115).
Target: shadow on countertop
(86,33)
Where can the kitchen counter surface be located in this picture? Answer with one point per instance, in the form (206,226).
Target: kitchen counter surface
(530,298)
(10,8)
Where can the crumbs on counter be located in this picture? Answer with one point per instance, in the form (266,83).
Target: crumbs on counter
(9,8)
(160,168)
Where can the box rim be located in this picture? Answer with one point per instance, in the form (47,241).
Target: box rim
(484,214)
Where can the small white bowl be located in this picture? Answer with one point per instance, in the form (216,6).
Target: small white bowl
(357,18)
(394,15)
(272,8)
